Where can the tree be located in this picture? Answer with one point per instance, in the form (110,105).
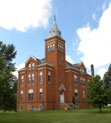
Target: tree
(95,93)
(107,78)
(7,79)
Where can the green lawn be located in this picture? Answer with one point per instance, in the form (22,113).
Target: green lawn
(57,116)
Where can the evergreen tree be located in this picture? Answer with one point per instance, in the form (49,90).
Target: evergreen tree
(95,92)
(7,79)
(107,78)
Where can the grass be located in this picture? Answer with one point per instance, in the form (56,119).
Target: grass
(57,116)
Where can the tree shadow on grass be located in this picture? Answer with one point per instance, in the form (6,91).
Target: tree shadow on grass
(96,110)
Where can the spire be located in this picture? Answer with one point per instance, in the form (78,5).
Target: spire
(55,30)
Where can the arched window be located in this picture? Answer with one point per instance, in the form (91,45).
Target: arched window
(32,78)
(82,81)
(40,93)
(29,67)
(83,94)
(33,64)
(76,93)
(30,94)
(49,77)
(53,47)
(41,76)
(22,80)
(21,95)
(29,78)
(48,48)
(75,79)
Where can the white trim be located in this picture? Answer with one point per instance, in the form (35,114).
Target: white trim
(76,90)
(41,90)
(21,92)
(49,73)
(33,75)
(41,73)
(30,91)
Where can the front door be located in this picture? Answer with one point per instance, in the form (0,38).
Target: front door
(61,97)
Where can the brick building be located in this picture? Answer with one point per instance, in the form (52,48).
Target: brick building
(52,82)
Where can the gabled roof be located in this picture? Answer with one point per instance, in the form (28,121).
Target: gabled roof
(40,62)
(32,57)
(74,66)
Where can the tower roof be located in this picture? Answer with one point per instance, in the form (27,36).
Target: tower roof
(55,30)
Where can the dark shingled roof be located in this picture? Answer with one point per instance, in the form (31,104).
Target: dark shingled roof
(43,62)
(74,66)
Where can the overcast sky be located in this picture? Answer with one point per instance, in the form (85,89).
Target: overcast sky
(85,25)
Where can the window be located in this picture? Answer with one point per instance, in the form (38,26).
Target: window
(49,77)
(60,62)
(76,93)
(53,47)
(29,67)
(22,80)
(41,77)
(75,79)
(40,93)
(62,59)
(82,71)
(21,95)
(83,94)
(48,49)
(20,107)
(33,66)
(32,78)
(60,48)
(31,107)
(30,94)
(82,81)
(29,78)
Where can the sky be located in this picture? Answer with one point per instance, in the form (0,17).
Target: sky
(85,26)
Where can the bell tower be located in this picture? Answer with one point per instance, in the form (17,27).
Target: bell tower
(55,54)
(55,46)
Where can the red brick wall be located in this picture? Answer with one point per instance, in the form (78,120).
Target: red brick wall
(51,92)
